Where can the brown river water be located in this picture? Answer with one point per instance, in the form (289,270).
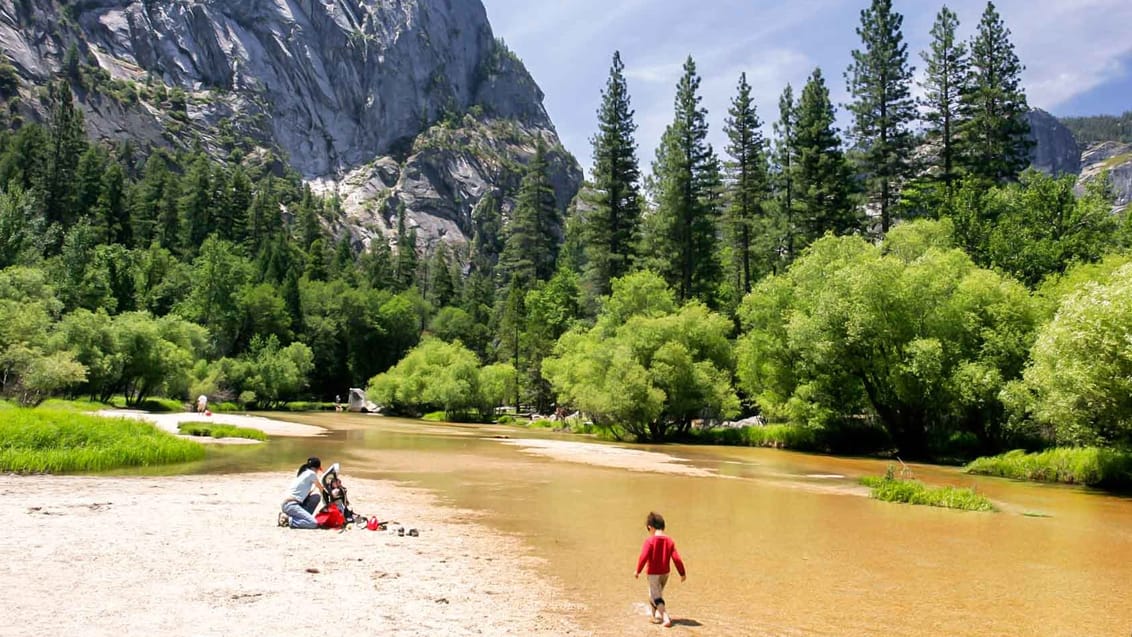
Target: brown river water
(776,543)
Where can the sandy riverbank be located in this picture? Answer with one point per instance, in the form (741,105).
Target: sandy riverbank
(201,555)
(169,421)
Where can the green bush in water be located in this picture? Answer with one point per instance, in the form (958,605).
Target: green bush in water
(892,489)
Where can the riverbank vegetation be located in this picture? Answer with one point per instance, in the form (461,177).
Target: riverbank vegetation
(64,441)
(1090,466)
(854,300)
(893,489)
(220,431)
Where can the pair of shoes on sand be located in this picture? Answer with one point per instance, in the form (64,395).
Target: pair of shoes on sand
(411,532)
(284,520)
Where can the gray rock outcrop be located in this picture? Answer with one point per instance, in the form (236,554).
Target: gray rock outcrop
(1055,150)
(1111,159)
(346,90)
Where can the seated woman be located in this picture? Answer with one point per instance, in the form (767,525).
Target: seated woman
(303,497)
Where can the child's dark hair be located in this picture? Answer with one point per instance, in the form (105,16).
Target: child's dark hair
(312,463)
(655,520)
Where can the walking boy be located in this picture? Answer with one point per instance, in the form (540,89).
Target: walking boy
(657,552)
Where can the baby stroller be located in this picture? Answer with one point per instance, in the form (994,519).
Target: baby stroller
(336,497)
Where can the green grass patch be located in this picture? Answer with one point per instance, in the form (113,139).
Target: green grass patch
(1091,466)
(60,404)
(892,489)
(774,436)
(66,441)
(434,416)
(220,431)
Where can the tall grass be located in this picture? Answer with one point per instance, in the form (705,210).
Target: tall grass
(775,436)
(61,441)
(1083,465)
(220,431)
(891,489)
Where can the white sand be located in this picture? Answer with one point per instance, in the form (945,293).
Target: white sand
(202,555)
(169,422)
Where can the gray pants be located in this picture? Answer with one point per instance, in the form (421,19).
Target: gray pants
(302,514)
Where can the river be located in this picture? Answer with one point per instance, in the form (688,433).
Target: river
(776,542)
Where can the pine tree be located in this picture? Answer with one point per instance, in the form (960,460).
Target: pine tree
(405,271)
(995,132)
(612,225)
(747,177)
(238,200)
(146,198)
(531,248)
(785,147)
(441,283)
(821,175)
(686,174)
(112,209)
(945,66)
(66,144)
(376,264)
(880,82)
(197,202)
(88,180)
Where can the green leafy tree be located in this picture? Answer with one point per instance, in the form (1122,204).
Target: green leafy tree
(197,203)
(219,274)
(1076,386)
(647,368)
(822,179)
(911,333)
(21,228)
(612,225)
(994,131)
(880,81)
(433,376)
(66,145)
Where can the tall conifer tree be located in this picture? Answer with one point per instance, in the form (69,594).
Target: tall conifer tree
(995,132)
(880,82)
(406,263)
(686,172)
(785,149)
(945,75)
(613,222)
(67,143)
(747,181)
(821,174)
(532,243)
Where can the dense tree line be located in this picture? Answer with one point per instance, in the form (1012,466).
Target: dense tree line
(909,286)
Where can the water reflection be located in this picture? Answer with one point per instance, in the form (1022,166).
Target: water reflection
(777,543)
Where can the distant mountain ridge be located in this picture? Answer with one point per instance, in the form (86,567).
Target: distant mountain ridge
(358,96)
(1058,151)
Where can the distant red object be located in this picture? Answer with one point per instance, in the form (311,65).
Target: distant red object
(207,413)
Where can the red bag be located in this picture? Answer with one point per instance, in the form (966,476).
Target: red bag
(330,518)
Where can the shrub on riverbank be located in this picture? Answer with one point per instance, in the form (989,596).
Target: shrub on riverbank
(220,431)
(1085,465)
(893,489)
(62,441)
(774,436)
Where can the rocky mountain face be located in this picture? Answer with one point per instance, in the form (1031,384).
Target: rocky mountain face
(1057,152)
(386,103)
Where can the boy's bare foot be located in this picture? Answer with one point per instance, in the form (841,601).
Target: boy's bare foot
(667,621)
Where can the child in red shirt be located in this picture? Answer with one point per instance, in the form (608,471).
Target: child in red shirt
(657,551)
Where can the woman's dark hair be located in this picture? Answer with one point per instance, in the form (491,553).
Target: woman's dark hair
(655,520)
(312,463)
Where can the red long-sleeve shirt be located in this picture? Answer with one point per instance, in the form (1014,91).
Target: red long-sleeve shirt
(656,552)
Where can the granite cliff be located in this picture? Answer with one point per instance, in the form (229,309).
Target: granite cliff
(382,102)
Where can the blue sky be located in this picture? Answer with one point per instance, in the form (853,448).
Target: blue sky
(1077,53)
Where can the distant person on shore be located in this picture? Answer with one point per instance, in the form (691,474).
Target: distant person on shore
(303,496)
(202,404)
(658,551)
